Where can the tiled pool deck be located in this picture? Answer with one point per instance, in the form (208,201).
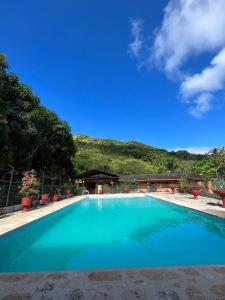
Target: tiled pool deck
(195,283)
(199,283)
(204,204)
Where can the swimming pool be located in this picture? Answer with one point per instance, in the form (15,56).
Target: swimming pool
(118,232)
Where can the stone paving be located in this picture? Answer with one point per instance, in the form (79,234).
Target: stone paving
(204,204)
(199,283)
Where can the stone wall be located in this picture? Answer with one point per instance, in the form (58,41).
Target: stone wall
(10,209)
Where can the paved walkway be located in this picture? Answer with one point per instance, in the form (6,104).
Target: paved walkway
(199,283)
(203,204)
(14,220)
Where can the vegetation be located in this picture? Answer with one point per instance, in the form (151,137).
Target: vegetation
(30,184)
(31,136)
(129,158)
(218,184)
(212,166)
(184,185)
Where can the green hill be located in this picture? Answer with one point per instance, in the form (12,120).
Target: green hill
(128,157)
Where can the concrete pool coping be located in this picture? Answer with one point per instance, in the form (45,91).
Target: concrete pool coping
(172,283)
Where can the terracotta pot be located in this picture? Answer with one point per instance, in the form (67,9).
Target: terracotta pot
(44,198)
(173,190)
(26,202)
(56,197)
(126,190)
(222,196)
(68,194)
(196,193)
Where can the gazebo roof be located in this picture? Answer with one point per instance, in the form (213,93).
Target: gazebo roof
(159,177)
(95,174)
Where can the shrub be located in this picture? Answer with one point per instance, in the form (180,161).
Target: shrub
(30,184)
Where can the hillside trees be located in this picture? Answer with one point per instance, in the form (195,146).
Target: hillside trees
(172,165)
(129,157)
(212,166)
(31,136)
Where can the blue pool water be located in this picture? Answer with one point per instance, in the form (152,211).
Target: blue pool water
(115,233)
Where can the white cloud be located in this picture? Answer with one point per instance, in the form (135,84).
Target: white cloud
(135,47)
(201,105)
(210,80)
(190,28)
(195,150)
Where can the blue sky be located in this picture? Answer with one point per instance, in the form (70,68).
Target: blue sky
(125,70)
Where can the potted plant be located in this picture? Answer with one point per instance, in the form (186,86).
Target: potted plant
(196,190)
(68,193)
(28,189)
(196,193)
(57,195)
(126,190)
(126,186)
(173,189)
(219,189)
(44,198)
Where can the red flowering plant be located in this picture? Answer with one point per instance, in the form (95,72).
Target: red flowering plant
(30,184)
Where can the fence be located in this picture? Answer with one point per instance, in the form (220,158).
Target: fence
(133,187)
(123,187)
(10,181)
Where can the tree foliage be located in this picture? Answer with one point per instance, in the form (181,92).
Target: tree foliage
(31,136)
(128,158)
(212,166)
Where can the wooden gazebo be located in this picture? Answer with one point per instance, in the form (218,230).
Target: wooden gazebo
(91,179)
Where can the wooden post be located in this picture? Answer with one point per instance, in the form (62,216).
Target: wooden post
(10,184)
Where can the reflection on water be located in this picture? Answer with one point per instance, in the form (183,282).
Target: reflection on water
(115,232)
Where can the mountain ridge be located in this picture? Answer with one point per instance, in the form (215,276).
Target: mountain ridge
(128,158)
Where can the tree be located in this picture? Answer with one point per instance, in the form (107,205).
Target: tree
(212,166)
(129,157)
(218,158)
(31,136)
(172,165)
